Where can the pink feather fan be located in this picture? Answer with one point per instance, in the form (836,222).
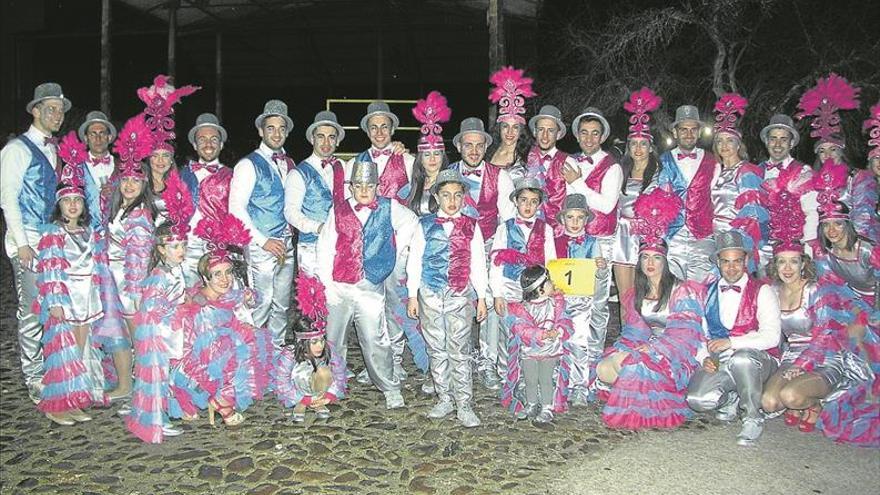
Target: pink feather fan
(654,212)
(510,90)
(134,144)
(831,94)
(179,202)
(641,103)
(431,112)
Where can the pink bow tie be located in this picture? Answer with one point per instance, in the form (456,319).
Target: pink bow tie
(378,153)
(100,161)
(50,140)
(734,288)
(527,223)
(210,167)
(777,166)
(328,161)
(692,155)
(279,156)
(584,158)
(476,171)
(372,205)
(442,220)
(579,239)
(546,158)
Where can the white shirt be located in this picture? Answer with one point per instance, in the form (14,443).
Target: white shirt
(14,160)
(244,177)
(768,315)
(100,173)
(403,222)
(381,161)
(295,192)
(506,208)
(479,277)
(201,174)
(809,200)
(605,199)
(502,286)
(688,166)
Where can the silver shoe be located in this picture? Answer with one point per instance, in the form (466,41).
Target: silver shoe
(170,430)
(35,391)
(394,400)
(729,410)
(364,378)
(467,417)
(400,373)
(751,432)
(490,379)
(298,417)
(322,413)
(428,387)
(441,409)
(545,416)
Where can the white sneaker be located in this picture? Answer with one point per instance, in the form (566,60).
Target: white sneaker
(441,409)
(751,431)
(394,400)
(490,379)
(467,417)
(170,430)
(545,416)
(728,411)
(428,386)
(364,378)
(400,373)
(323,413)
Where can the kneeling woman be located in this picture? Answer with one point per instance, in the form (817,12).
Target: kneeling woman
(225,361)
(649,367)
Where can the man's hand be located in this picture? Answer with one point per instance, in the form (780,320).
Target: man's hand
(709,365)
(482,311)
(500,306)
(398,148)
(601,263)
(412,308)
(718,345)
(570,173)
(26,256)
(275,247)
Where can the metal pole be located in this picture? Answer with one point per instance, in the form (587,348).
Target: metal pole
(106,58)
(218,88)
(172,35)
(495,19)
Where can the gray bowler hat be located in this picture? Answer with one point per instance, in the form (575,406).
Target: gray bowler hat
(471,124)
(447,176)
(527,183)
(596,114)
(379,107)
(96,117)
(574,202)
(48,91)
(325,117)
(274,108)
(687,112)
(207,120)
(729,239)
(781,121)
(364,173)
(549,111)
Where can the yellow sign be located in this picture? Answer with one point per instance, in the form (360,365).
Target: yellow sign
(573,276)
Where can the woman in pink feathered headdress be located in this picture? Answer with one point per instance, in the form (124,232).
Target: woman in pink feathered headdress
(662,330)
(736,191)
(640,166)
(431,158)
(510,138)
(822,105)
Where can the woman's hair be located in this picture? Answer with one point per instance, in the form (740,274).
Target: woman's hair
(417,185)
(742,152)
(817,163)
(642,286)
(808,270)
(651,170)
(149,170)
(523,144)
(301,351)
(528,277)
(239,268)
(58,217)
(145,199)
(848,230)
(161,233)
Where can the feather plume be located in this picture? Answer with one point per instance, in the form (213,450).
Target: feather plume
(830,183)
(179,202)
(160,99)
(783,199)
(872,126)
(833,91)
(728,110)
(510,82)
(135,140)
(642,101)
(654,212)
(431,112)
(71,150)
(310,297)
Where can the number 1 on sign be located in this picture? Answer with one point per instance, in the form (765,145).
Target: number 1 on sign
(568,277)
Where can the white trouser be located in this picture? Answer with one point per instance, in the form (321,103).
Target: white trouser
(446,320)
(30,331)
(689,257)
(273,280)
(744,373)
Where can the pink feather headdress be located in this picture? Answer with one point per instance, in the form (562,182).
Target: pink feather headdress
(73,153)
(312,303)
(830,184)
(160,99)
(510,90)
(220,232)
(787,218)
(654,212)
(872,125)
(641,103)
(431,112)
(179,202)
(822,102)
(728,110)
(134,144)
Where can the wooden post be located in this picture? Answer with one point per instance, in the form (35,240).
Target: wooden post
(106,58)
(172,35)
(495,19)
(218,88)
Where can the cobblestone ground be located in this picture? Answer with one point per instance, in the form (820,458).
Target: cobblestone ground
(362,448)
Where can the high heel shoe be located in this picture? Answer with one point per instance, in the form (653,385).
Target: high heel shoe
(78,415)
(792,417)
(230,417)
(808,420)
